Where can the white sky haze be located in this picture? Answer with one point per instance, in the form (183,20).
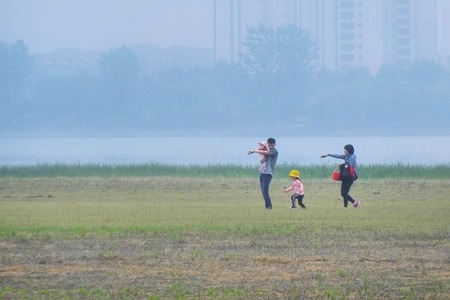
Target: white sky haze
(46,25)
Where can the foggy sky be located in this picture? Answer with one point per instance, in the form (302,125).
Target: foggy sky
(46,25)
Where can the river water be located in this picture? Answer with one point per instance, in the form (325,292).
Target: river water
(423,150)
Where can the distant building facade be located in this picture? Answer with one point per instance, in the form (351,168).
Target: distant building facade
(66,61)
(152,59)
(366,33)
(362,33)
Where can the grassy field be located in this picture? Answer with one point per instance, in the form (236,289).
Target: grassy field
(104,235)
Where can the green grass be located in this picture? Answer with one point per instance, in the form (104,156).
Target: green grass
(173,204)
(380,171)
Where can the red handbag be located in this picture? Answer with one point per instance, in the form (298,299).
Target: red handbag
(336,174)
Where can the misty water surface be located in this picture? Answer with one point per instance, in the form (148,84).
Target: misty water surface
(219,150)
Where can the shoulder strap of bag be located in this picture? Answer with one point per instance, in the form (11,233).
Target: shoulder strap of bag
(346,161)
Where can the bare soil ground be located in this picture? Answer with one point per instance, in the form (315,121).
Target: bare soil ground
(194,265)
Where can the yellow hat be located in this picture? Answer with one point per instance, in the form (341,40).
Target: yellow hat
(294,173)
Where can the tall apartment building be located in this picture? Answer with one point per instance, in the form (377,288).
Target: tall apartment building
(231,19)
(443,32)
(348,31)
(367,33)
(409,30)
(414,30)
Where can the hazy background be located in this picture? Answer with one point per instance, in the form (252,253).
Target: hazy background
(47,25)
(145,68)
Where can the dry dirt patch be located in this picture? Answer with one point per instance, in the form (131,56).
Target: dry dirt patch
(153,264)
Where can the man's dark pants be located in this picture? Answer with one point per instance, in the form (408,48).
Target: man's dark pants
(265,180)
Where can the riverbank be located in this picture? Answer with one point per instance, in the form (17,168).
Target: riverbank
(323,171)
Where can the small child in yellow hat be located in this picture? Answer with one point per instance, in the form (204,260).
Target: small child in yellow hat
(297,187)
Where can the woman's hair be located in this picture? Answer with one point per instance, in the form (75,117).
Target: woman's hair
(349,148)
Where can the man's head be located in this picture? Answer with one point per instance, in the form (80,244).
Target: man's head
(271,143)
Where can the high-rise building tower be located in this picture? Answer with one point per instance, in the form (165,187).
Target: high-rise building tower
(366,33)
(410,28)
(349,33)
(346,30)
(443,32)
(279,13)
(231,19)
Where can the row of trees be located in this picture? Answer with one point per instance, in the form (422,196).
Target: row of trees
(275,84)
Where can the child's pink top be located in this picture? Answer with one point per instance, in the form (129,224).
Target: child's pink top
(297,186)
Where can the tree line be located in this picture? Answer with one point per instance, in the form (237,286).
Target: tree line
(274,84)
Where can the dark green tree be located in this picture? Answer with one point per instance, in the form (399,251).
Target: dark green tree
(119,66)
(281,64)
(271,52)
(120,72)
(415,96)
(426,72)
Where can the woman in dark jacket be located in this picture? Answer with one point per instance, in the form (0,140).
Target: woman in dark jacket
(350,158)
